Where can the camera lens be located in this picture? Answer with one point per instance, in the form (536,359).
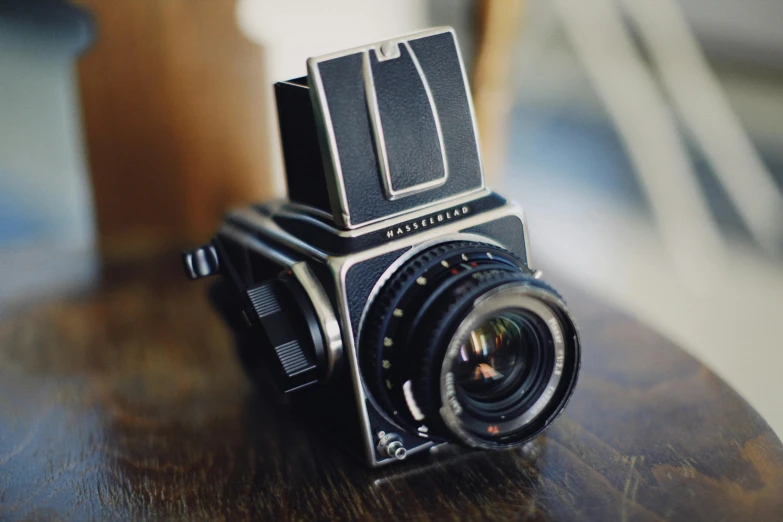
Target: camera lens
(502,368)
(465,345)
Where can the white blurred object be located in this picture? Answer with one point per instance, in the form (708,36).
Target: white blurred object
(616,254)
(738,31)
(649,132)
(293,30)
(700,101)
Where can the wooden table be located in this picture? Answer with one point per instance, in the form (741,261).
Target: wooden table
(125,402)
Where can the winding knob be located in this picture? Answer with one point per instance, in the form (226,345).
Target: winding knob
(288,332)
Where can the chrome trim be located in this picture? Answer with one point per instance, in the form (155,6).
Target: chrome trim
(356,378)
(294,84)
(469,194)
(375,119)
(377,127)
(390,221)
(389,51)
(415,35)
(255,219)
(305,209)
(436,116)
(267,226)
(525,232)
(470,105)
(330,326)
(331,160)
(509,209)
(251,243)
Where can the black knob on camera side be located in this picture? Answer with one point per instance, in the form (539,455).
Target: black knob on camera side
(201,262)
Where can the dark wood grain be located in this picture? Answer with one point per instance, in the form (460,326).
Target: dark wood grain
(125,402)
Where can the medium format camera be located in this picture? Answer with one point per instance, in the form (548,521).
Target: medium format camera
(393,291)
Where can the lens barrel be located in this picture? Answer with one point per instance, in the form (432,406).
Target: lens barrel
(463,344)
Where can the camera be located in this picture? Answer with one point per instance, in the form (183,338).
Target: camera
(392,293)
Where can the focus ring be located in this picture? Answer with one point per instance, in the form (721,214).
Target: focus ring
(385,300)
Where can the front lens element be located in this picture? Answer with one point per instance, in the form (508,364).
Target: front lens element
(502,374)
(493,359)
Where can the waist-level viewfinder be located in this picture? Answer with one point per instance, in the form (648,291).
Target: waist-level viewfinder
(379,130)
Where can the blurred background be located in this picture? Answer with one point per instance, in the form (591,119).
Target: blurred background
(642,137)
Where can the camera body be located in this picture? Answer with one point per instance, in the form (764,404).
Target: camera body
(359,292)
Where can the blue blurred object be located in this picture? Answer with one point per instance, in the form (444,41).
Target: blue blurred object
(46,214)
(44,189)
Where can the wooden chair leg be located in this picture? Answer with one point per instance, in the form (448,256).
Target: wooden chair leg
(497,28)
(175,125)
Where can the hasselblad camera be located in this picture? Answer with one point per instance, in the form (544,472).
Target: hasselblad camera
(392,290)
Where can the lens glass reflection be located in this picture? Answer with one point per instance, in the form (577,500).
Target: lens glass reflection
(494,358)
